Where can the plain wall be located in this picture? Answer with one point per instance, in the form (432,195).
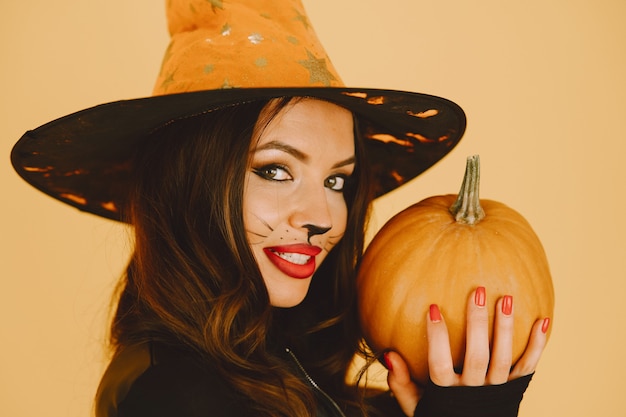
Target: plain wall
(544,89)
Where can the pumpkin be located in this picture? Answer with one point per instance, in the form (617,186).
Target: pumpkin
(438,251)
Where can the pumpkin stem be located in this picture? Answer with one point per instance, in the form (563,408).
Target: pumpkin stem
(466,209)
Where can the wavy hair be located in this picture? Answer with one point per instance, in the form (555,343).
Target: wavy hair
(193,280)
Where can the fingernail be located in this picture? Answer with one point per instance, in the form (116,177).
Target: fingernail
(480,297)
(507,305)
(387,361)
(435,314)
(545,325)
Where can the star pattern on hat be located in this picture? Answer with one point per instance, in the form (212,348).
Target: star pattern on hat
(318,69)
(226,84)
(302,18)
(216,4)
(255,38)
(167,56)
(169,79)
(226,30)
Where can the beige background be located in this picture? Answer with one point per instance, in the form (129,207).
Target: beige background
(544,88)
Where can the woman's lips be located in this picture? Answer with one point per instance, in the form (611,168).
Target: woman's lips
(296,261)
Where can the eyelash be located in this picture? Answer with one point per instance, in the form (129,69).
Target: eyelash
(269,173)
(264,172)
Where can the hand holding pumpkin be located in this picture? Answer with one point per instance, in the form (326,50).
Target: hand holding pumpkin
(482,365)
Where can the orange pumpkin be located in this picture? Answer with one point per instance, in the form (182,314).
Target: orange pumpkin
(436,252)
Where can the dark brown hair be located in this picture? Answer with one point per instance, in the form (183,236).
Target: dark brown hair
(193,281)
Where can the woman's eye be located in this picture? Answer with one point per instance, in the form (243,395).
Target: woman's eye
(273,172)
(335,183)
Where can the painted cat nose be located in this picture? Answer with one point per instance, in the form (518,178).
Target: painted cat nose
(315,230)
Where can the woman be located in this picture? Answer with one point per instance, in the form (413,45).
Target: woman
(249,208)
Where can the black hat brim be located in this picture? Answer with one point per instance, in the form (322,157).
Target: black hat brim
(83,159)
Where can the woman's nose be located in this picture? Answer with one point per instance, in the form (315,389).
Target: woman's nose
(312,213)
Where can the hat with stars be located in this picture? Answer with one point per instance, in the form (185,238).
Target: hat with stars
(223,53)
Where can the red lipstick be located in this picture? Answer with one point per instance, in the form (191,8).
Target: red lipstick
(296,261)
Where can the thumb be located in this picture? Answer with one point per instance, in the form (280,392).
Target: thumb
(399,380)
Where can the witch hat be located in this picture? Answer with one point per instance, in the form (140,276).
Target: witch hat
(223,53)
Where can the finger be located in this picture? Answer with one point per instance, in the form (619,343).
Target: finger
(440,366)
(530,359)
(477,340)
(502,350)
(399,380)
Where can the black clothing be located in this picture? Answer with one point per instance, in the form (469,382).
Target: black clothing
(156,381)
(484,401)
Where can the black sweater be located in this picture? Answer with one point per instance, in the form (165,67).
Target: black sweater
(155,381)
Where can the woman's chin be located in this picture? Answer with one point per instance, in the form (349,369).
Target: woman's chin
(288,299)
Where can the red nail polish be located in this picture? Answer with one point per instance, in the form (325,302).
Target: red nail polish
(435,314)
(545,325)
(388,363)
(480,297)
(507,305)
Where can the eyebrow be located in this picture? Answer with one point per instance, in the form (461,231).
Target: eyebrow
(299,155)
(345,162)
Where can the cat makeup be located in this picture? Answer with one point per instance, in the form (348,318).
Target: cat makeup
(294,207)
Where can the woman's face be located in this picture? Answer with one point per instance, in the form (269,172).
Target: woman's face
(294,208)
